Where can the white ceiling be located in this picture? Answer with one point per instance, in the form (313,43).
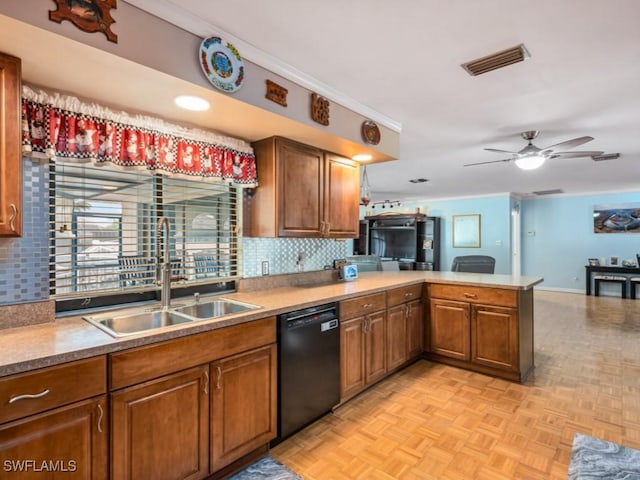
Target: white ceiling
(403,59)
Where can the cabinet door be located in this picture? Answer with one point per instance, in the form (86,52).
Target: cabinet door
(396,336)
(300,190)
(10,153)
(494,337)
(160,428)
(415,327)
(449,329)
(351,357)
(243,404)
(70,442)
(375,363)
(341,200)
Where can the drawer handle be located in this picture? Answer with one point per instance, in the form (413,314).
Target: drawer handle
(14,214)
(408,294)
(100,418)
(470,295)
(28,396)
(367,305)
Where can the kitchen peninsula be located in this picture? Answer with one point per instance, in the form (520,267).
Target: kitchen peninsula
(208,374)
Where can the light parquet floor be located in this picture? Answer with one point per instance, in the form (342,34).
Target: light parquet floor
(432,421)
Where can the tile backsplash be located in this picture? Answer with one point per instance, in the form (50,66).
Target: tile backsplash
(24,262)
(283,254)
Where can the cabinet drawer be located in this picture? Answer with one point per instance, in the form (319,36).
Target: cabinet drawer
(401,295)
(46,388)
(144,363)
(362,305)
(484,295)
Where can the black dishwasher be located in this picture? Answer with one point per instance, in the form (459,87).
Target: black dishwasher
(308,367)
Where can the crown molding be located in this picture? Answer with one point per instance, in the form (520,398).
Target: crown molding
(173,13)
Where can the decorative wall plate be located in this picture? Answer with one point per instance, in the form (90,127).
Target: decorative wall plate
(370,132)
(221,64)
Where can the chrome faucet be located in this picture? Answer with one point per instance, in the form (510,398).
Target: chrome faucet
(165,269)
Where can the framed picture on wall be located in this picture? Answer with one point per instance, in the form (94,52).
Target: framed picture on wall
(616,218)
(466,231)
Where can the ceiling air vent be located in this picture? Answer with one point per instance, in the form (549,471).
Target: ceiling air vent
(496,60)
(548,192)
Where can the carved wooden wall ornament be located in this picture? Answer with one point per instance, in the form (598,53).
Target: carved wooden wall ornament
(319,109)
(276,93)
(88,15)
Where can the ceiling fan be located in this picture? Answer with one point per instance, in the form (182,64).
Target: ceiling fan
(531,157)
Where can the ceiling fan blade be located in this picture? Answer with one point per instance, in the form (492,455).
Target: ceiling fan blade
(484,163)
(569,143)
(593,153)
(499,151)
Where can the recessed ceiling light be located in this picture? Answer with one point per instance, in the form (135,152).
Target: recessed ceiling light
(362,157)
(189,102)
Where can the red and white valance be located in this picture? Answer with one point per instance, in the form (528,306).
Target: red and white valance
(62,127)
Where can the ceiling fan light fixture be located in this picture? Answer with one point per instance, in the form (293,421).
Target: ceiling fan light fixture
(530,162)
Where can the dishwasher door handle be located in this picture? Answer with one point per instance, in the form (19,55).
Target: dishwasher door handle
(330,325)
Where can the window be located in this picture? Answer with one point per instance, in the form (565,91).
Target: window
(105,244)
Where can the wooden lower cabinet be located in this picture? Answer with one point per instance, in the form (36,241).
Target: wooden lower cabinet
(449,329)
(396,336)
(415,329)
(494,337)
(489,330)
(66,442)
(160,428)
(404,333)
(375,347)
(362,352)
(351,357)
(243,404)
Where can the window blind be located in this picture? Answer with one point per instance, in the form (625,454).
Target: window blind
(104,237)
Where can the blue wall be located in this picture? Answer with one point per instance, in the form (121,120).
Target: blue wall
(495,226)
(558,238)
(556,234)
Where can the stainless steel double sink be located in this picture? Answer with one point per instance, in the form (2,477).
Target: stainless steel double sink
(132,321)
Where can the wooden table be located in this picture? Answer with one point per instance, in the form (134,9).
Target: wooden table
(611,269)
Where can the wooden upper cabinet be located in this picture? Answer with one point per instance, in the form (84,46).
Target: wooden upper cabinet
(342,197)
(10,139)
(302,192)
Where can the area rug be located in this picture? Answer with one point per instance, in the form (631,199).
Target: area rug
(266,468)
(592,458)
